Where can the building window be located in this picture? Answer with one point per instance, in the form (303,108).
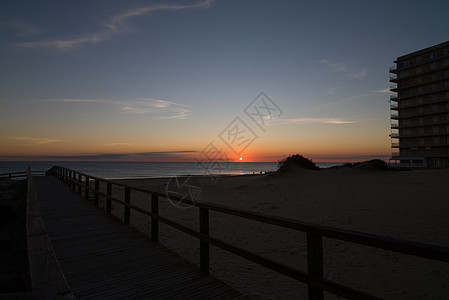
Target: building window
(404,93)
(421,141)
(446,51)
(434,108)
(446,62)
(435,119)
(421,121)
(407,132)
(436,129)
(436,140)
(432,55)
(420,110)
(421,131)
(433,76)
(419,69)
(418,59)
(433,66)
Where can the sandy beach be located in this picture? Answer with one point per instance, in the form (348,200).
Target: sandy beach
(410,205)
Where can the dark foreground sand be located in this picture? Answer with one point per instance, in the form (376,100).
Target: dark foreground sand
(12,236)
(411,205)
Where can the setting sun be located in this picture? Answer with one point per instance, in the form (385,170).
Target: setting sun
(241,158)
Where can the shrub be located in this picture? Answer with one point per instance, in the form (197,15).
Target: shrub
(296,161)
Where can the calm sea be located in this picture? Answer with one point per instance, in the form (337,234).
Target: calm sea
(146,169)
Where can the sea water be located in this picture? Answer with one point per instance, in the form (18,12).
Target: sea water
(117,170)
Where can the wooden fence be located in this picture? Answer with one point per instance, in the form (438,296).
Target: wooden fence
(20,174)
(80,182)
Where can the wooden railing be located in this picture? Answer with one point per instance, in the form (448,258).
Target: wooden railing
(315,233)
(20,174)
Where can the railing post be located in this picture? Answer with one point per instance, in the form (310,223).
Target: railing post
(73,180)
(127,210)
(315,262)
(86,188)
(9,177)
(97,188)
(79,184)
(108,199)
(204,245)
(154,221)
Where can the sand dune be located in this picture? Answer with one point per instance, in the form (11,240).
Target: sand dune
(411,205)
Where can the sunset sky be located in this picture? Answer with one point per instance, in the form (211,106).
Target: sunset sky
(167,80)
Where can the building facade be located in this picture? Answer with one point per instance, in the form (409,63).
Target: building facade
(420,109)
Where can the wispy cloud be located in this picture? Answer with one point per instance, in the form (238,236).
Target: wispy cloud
(116,25)
(346,68)
(117,144)
(304,121)
(23,29)
(386,90)
(159,109)
(35,141)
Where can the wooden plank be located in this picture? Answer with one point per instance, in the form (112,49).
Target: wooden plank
(45,273)
(103,258)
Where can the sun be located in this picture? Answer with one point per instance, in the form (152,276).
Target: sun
(241,158)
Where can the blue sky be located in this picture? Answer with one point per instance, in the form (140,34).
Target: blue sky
(92,77)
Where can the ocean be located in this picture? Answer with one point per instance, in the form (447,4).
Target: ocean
(118,170)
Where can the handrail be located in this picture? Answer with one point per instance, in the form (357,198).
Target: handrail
(20,174)
(313,277)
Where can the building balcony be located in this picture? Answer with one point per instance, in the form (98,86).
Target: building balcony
(414,64)
(423,72)
(394,126)
(424,102)
(394,135)
(393,106)
(416,114)
(394,97)
(394,145)
(422,92)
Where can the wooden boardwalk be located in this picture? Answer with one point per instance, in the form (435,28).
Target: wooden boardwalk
(103,258)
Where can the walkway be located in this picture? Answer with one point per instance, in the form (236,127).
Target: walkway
(103,258)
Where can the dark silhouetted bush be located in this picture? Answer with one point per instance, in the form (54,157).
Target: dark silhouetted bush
(374,164)
(296,161)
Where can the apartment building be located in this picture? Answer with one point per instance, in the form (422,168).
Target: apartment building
(420,108)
